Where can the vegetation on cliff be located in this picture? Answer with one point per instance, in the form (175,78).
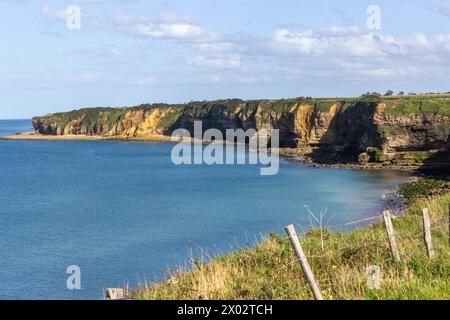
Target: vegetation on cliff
(94,118)
(406,131)
(419,104)
(270,271)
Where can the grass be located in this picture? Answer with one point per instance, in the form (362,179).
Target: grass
(270,271)
(419,105)
(423,188)
(95,117)
(376,155)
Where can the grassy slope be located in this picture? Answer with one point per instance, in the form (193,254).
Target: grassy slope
(270,271)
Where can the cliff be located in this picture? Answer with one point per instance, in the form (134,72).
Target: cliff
(410,131)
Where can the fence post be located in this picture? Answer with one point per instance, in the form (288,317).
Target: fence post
(449,224)
(391,234)
(307,271)
(427,233)
(114,294)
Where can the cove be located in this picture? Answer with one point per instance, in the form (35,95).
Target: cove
(123,212)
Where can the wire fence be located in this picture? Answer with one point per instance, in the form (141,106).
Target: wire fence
(340,246)
(423,232)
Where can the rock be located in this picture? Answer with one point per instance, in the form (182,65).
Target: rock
(363,158)
(329,131)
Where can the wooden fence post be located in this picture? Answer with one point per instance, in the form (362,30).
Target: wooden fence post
(427,233)
(114,294)
(391,234)
(307,271)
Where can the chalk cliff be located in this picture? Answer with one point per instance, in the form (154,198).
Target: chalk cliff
(410,131)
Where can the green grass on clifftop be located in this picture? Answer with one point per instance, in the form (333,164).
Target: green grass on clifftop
(399,105)
(419,104)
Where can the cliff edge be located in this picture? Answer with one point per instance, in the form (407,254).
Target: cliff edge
(407,132)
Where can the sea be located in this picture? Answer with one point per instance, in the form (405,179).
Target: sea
(116,214)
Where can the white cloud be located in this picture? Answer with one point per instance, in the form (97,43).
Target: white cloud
(389,71)
(225,62)
(88,78)
(54,13)
(164,26)
(354,51)
(335,52)
(143,80)
(351,42)
(214,46)
(337,40)
(84,77)
(303,42)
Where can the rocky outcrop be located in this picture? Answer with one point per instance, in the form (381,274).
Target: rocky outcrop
(402,131)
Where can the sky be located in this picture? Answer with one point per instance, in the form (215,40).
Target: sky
(128,52)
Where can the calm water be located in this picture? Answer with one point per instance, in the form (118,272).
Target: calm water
(122,211)
(9,127)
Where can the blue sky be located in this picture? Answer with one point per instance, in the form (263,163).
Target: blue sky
(129,52)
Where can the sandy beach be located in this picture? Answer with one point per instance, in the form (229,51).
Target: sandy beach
(82,137)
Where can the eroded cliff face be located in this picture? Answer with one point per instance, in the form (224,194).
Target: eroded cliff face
(138,121)
(413,132)
(348,130)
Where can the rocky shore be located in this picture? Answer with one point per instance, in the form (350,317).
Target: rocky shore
(401,133)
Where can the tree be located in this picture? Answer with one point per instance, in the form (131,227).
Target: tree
(389,93)
(401,93)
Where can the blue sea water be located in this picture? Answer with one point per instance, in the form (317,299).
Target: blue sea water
(10,127)
(122,212)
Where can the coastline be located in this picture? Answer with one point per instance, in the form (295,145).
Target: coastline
(275,247)
(290,154)
(246,273)
(31,136)
(296,156)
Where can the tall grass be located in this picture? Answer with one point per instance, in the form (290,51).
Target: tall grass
(270,271)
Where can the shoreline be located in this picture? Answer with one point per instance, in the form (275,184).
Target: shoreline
(31,136)
(393,198)
(289,154)
(184,282)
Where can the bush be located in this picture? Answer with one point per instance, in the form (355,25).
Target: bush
(376,155)
(423,188)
